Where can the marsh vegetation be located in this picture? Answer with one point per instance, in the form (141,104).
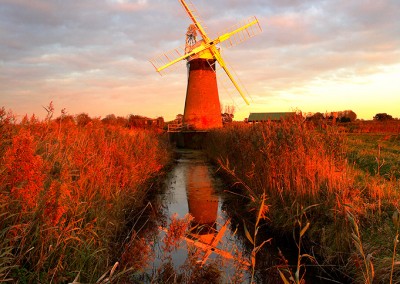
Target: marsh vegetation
(312,183)
(75,205)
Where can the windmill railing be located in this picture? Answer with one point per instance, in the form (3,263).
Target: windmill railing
(175,127)
(179,127)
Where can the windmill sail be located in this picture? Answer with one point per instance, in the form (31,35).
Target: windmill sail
(166,58)
(206,49)
(228,93)
(244,30)
(192,12)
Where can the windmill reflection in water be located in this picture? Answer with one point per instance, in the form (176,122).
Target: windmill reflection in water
(207,230)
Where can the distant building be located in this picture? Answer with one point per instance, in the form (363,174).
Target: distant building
(265,116)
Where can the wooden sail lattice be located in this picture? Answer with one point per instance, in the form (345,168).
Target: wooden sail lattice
(243,35)
(166,57)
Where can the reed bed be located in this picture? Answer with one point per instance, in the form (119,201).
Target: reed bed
(291,166)
(65,192)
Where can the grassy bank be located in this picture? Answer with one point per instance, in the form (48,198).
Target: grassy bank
(298,179)
(67,191)
(375,153)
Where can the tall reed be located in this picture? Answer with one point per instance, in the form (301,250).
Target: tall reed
(294,162)
(65,190)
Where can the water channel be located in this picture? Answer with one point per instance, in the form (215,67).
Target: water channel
(216,245)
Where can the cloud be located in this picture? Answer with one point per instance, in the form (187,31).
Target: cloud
(33,5)
(62,49)
(127,5)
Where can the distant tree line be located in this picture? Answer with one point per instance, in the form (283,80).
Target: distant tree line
(132,121)
(344,116)
(383,117)
(339,116)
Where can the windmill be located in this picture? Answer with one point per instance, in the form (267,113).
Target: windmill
(202,105)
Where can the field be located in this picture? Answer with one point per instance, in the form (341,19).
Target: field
(69,189)
(376,154)
(335,193)
(72,187)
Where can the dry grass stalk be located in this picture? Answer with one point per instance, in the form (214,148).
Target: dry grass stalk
(292,162)
(64,191)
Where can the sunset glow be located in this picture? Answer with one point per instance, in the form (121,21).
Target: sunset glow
(267,152)
(92,56)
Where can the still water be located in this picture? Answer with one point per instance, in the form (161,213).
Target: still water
(196,201)
(192,189)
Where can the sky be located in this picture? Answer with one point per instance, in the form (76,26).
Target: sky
(92,56)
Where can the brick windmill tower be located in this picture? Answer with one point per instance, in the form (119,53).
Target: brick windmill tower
(202,105)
